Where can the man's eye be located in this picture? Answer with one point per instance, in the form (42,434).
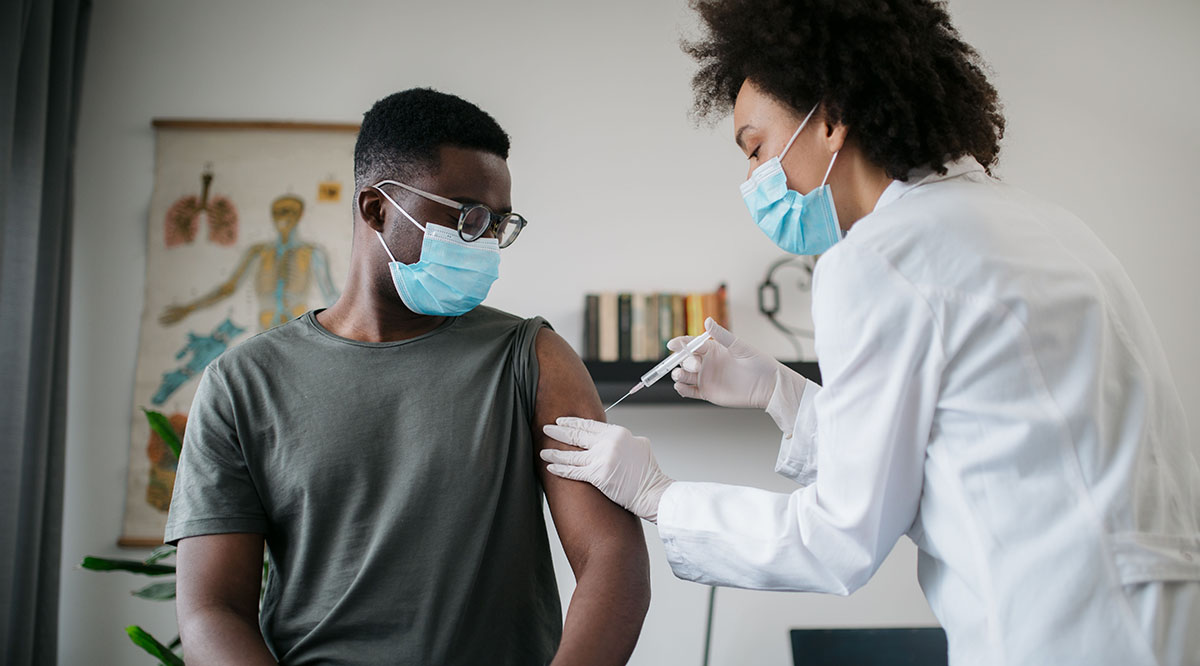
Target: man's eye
(754,155)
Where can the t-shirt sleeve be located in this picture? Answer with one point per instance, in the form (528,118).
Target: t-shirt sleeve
(214,492)
(525,361)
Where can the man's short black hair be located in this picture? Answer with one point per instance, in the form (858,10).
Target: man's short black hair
(895,72)
(401,134)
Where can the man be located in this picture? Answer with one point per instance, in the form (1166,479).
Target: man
(328,436)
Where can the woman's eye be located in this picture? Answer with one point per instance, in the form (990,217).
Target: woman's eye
(754,155)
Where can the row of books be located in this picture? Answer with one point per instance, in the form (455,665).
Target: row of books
(636,327)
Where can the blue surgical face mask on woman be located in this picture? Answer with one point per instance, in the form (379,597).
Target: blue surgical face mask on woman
(452,277)
(797,223)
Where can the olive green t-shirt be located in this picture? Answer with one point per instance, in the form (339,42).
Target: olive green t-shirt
(395,484)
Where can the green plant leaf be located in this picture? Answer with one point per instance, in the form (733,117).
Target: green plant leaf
(160,553)
(132,566)
(160,425)
(148,643)
(176,643)
(157,591)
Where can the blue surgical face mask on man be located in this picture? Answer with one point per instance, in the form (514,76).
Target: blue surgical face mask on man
(452,277)
(797,223)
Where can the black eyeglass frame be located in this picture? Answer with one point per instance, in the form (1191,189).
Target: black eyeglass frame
(495,220)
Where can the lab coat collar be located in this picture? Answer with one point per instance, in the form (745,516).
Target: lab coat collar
(919,177)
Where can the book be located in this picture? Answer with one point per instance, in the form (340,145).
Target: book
(637,328)
(591,327)
(708,308)
(678,315)
(624,327)
(666,329)
(607,326)
(650,333)
(694,306)
(722,305)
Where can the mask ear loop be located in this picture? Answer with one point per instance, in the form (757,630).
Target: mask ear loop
(798,130)
(835,154)
(398,206)
(385,247)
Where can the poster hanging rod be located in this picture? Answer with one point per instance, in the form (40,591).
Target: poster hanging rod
(198,123)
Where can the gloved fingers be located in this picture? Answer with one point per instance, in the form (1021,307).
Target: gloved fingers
(569,472)
(708,346)
(675,344)
(688,390)
(587,425)
(719,333)
(561,457)
(573,436)
(682,376)
(692,364)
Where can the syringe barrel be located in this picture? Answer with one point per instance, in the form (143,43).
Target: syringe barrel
(668,364)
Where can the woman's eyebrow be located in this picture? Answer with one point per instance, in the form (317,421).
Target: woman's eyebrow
(738,137)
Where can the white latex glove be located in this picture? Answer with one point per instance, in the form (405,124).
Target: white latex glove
(619,464)
(726,371)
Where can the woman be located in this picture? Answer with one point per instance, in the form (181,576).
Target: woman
(993,387)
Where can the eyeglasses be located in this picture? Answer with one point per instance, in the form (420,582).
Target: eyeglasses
(475,220)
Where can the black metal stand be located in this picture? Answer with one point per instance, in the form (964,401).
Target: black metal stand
(712,602)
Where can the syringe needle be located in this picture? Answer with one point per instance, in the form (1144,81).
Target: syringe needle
(617,402)
(665,366)
(637,387)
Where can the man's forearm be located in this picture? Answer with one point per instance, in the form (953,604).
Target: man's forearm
(612,595)
(221,636)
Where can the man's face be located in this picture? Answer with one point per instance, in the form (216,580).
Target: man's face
(464,175)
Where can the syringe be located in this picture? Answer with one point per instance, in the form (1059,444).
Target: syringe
(665,367)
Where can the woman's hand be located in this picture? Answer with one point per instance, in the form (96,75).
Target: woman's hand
(619,464)
(726,371)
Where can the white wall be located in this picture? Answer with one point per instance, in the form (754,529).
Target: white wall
(1100,97)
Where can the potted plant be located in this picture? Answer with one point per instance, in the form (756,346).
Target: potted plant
(156,565)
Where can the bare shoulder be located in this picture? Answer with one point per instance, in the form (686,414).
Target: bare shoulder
(564,386)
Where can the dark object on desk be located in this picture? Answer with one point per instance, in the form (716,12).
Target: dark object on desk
(614,379)
(869,647)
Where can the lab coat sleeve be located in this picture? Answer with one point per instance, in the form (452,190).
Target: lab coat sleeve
(881,360)
(791,407)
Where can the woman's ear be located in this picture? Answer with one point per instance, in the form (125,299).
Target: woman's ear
(370,208)
(835,136)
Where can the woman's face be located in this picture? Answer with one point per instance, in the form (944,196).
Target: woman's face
(762,127)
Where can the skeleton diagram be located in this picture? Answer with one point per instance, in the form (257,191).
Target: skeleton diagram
(288,269)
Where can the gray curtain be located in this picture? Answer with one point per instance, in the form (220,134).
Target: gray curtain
(41,53)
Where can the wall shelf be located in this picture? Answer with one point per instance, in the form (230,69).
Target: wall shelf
(614,378)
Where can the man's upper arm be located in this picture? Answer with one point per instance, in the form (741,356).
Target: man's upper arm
(582,515)
(220,570)
(214,491)
(217,601)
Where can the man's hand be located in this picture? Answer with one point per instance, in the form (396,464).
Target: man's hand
(619,464)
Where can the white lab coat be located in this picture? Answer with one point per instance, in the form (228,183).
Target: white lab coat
(994,389)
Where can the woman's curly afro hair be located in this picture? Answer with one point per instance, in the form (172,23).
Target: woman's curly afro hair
(895,72)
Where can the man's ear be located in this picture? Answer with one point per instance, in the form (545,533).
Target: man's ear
(371,208)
